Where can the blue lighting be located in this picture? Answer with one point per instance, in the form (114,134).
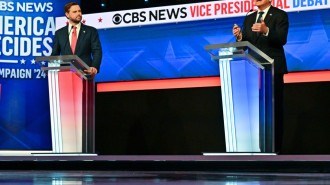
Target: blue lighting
(103,5)
(180,51)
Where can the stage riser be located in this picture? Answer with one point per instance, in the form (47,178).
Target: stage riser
(189,121)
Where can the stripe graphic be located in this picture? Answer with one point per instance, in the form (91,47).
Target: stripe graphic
(9,61)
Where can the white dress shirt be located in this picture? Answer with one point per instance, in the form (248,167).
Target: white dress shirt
(263,17)
(70,31)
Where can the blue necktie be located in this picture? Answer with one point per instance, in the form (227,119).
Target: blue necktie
(260,16)
(259,21)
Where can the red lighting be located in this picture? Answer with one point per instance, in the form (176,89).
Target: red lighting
(294,77)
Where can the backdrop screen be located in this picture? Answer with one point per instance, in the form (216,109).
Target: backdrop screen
(176,50)
(26,32)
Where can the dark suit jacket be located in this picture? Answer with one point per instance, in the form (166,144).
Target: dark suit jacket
(88,46)
(272,45)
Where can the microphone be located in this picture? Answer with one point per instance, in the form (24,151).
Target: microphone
(66,42)
(245,17)
(72,28)
(242,26)
(249,12)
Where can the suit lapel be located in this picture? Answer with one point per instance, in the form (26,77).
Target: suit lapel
(252,21)
(269,15)
(80,37)
(66,36)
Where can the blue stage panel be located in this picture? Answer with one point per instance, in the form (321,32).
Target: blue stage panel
(176,50)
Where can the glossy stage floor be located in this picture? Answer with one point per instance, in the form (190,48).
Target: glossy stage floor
(142,178)
(238,169)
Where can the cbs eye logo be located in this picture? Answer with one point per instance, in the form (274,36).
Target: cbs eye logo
(116,19)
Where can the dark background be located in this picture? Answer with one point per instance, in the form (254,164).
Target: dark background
(189,121)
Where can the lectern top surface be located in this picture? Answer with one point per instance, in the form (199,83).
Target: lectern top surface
(65,63)
(238,48)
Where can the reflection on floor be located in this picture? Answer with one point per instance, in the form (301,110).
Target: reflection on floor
(181,178)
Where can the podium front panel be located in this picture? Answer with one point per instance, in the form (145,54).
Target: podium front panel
(71,96)
(246,76)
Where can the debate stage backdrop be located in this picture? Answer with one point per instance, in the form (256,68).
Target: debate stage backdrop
(139,50)
(176,50)
(26,31)
(153,43)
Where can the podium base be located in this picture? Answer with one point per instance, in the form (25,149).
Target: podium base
(237,153)
(63,154)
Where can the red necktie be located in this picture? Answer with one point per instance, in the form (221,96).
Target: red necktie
(74,39)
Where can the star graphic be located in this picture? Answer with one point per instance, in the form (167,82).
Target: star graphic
(33,61)
(315,41)
(171,64)
(83,21)
(100,19)
(178,62)
(23,61)
(43,63)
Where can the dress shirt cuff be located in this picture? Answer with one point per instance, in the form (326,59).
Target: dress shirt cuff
(239,40)
(266,35)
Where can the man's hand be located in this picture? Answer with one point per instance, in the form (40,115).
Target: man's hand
(92,71)
(260,27)
(237,32)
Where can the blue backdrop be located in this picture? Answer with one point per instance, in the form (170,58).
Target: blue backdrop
(177,50)
(134,53)
(26,31)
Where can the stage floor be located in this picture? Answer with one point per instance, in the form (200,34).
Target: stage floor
(216,157)
(226,163)
(156,177)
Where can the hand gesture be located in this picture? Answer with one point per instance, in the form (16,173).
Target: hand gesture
(237,32)
(260,27)
(92,71)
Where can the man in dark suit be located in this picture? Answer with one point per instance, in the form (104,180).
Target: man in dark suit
(267,29)
(78,39)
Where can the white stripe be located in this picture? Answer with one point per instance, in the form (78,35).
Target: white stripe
(227,103)
(9,61)
(229,154)
(51,104)
(58,112)
(214,7)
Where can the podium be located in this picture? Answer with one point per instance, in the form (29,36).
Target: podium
(246,75)
(71,98)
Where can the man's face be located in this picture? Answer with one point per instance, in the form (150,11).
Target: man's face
(262,4)
(74,14)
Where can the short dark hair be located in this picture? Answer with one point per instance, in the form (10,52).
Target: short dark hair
(68,6)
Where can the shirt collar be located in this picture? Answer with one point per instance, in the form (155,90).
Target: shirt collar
(78,26)
(265,10)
